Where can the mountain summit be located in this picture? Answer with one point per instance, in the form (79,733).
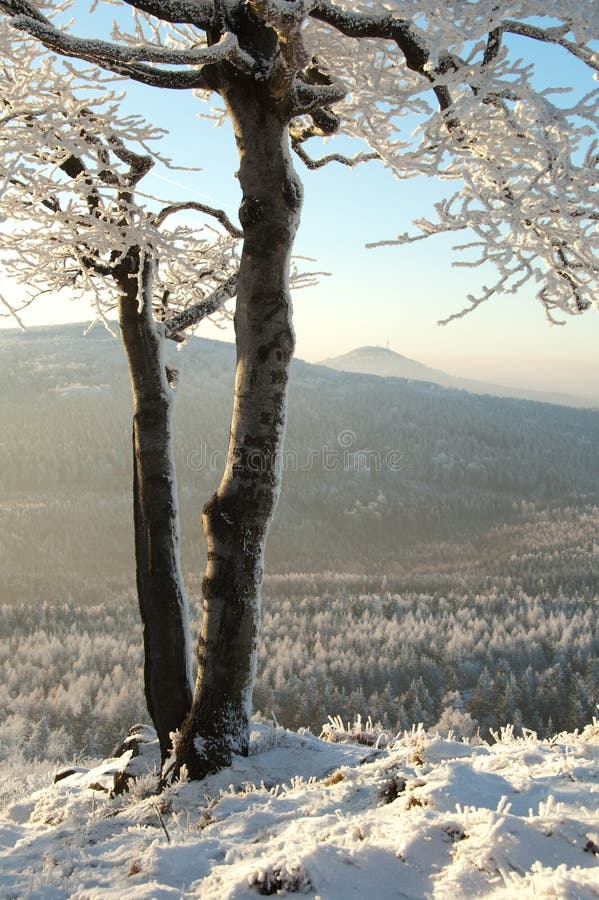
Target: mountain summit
(389,364)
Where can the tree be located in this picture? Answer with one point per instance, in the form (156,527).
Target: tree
(70,180)
(525,170)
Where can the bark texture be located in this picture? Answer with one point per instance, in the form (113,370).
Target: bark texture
(237,517)
(161,594)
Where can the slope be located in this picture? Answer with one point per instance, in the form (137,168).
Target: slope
(426,817)
(389,460)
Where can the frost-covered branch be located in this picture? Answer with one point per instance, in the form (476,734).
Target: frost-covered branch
(188,12)
(349,161)
(432,88)
(384,26)
(193,315)
(69,173)
(524,160)
(308,98)
(131,61)
(556,35)
(218,214)
(22,8)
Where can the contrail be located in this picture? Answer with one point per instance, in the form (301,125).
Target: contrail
(191,190)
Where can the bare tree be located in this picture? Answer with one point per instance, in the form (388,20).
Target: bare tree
(525,169)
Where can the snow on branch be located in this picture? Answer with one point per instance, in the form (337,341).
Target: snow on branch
(286,18)
(130,60)
(382,25)
(227,48)
(553,36)
(438,91)
(433,88)
(196,313)
(306,98)
(69,187)
(350,161)
(185,12)
(218,214)
(22,8)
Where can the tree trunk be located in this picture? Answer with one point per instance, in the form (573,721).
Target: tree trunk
(160,590)
(237,517)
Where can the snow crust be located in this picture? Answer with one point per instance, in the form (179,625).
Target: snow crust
(425,817)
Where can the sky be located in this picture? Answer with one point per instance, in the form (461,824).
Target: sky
(392,296)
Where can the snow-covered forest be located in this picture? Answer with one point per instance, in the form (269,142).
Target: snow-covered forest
(71,675)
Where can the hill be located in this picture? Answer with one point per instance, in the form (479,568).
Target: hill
(426,817)
(389,364)
(372,466)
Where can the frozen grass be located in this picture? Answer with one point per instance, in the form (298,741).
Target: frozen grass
(425,816)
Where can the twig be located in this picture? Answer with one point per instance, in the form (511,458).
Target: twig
(161,820)
(218,214)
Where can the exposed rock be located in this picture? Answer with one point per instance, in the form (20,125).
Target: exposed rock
(66,773)
(140,752)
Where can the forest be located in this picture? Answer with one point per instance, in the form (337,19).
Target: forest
(475,656)
(434,557)
(422,463)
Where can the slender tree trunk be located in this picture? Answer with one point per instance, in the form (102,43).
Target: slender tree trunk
(237,517)
(160,590)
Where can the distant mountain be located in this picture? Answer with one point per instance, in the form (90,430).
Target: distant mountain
(388,364)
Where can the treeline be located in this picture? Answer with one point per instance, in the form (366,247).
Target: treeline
(71,675)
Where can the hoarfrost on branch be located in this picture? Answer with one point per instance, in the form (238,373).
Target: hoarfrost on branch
(70,174)
(434,88)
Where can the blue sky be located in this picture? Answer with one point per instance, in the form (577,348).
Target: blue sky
(393,295)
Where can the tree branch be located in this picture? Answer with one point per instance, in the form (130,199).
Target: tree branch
(308,97)
(387,27)
(22,8)
(553,36)
(493,47)
(350,161)
(218,214)
(91,263)
(120,60)
(179,12)
(194,314)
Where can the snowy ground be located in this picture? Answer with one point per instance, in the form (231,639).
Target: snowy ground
(427,817)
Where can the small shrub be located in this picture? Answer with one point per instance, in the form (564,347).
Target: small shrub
(335,778)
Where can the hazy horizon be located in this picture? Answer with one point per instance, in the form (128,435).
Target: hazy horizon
(562,372)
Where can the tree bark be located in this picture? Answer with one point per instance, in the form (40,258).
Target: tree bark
(161,593)
(237,517)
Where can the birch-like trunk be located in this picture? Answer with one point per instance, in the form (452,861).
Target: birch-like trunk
(237,517)
(160,590)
